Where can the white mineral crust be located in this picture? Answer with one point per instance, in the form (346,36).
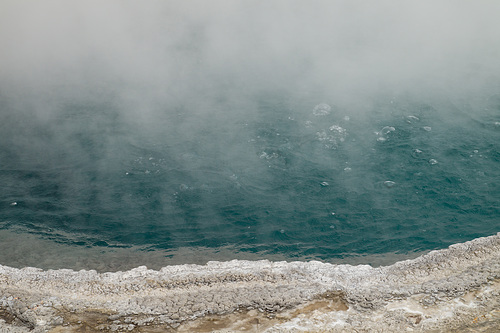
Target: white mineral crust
(452,288)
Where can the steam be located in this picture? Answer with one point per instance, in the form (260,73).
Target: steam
(179,67)
(176,52)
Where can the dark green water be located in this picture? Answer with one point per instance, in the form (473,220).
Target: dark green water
(282,175)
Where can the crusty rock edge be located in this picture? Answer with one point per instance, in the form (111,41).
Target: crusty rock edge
(35,300)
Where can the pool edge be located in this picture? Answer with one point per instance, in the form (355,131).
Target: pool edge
(453,288)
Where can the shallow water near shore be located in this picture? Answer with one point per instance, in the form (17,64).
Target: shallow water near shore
(34,251)
(452,289)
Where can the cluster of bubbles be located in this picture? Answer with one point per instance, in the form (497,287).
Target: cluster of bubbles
(333,135)
(275,158)
(146,165)
(276,145)
(418,154)
(385,133)
(476,153)
(322,109)
(268,156)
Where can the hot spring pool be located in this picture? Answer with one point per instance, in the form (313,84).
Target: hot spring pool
(290,177)
(182,133)
(276,143)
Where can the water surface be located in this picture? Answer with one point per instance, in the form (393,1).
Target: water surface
(295,177)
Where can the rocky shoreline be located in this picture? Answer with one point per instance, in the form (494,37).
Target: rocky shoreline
(455,289)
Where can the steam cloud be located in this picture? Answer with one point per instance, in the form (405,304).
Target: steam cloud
(177,52)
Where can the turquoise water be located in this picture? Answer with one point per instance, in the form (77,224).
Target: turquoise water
(288,129)
(293,175)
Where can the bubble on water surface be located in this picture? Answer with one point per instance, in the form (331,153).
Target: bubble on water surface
(389,183)
(384,132)
(427,128)
(267,156)
(387,129)
(411,119)
(322,109)
(416,153)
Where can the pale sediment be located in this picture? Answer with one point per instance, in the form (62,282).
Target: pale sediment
(452,289)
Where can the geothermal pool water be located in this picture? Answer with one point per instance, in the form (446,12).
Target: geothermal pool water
(290,177)
(240,130)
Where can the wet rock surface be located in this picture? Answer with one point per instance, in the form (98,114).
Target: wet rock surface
(452,289)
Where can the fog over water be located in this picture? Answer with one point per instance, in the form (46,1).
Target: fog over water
(311,128)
